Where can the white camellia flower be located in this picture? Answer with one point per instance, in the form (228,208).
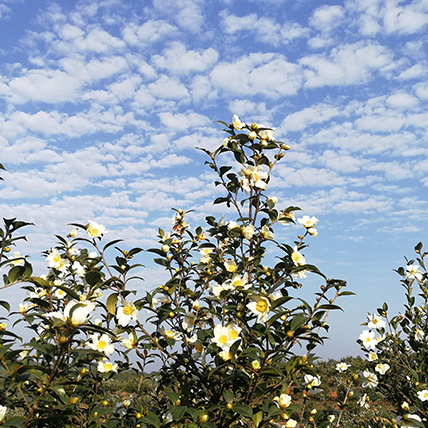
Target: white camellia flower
(409,421)
(236,123)
(230,265)
(248,231)
(419,335)
(413,273)
(291,423)
(382,368)
(3,410)
(102,343)
(267,233)
(79,269)
(232,225)
(95,230)
(20,261)
(238,281)
(131,342)
(169,334)
(226,336)
(253,176)
(308,222)
(105,366)
(341,367)
(372,356)
(266,134)
(78,313)
(188,322)
(284,400)
(259,306)
(364,401)
(376,322)
(297,257)
(371,380)
(206,258)
(423,395)
(312,381)
(368,339)
(216,289)
(54,258)
(126,313)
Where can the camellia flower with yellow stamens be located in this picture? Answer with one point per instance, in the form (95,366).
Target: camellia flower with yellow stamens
(382,368)
(259,306)
(312,381)
(238,281)
(230,265)
(102,343)
(206,258)
(376,322)
(105,366)
(267,233)
(236,123)
(413,273)
(423,395)
(18,259)
(54,258)
(253,176)
(226,336)
(126,313)
(169,334)
(284,400)
(95,230)
(248,231)
(307,221)
(297,257)
(368,339)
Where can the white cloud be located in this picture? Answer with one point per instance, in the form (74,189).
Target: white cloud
(325,18)
(187,14)
(404,19)
(149,32)
(402,100)
(50,86)
(306,176)
(346,65)
(258,73)
(413,72)
(178,60)
(315,114)
(339,162)
(265,30)
(182,122)
(167,87)
(388,16)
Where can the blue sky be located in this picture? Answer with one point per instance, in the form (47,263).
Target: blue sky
(103,102)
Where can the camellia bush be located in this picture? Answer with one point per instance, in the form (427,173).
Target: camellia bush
(397,351)
(227,340)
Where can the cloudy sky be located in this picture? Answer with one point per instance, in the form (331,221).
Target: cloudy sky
(103,102)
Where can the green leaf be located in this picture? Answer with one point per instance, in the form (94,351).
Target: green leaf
(152,419)
(111,303)
(257,418)
(15,422)
(5,305)
(178,412)
(15,273)
(228,396)
(109,244)
(93,277)
(297,321)
(243,410)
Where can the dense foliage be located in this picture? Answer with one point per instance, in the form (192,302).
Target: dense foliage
(233,341)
